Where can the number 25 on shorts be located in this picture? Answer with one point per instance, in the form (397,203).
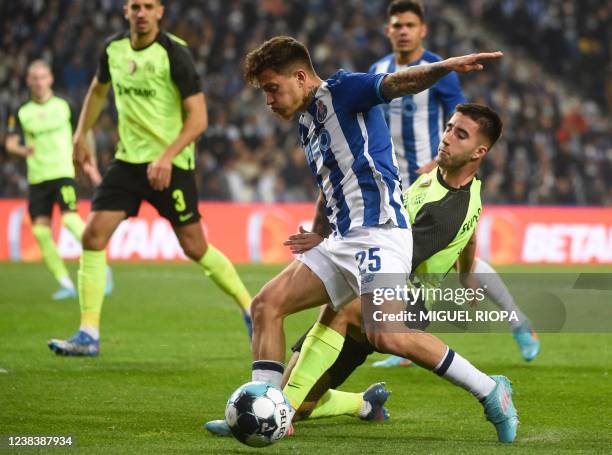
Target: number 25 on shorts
(369,260)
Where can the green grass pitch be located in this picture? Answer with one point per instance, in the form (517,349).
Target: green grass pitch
(174,348)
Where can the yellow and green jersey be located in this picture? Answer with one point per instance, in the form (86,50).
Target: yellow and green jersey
(443,220)
(47,128)
(149,85)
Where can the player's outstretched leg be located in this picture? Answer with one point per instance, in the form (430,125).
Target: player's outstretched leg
(522,331)
(427,351)
(43,236)
(92,283)
(216,266)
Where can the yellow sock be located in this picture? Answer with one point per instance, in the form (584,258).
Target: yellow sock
(92,280)
(336,403)
(49,252)
(219,268)
(74,224)
(319,352)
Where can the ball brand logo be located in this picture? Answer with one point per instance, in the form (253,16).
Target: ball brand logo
(132,67)
(284,423)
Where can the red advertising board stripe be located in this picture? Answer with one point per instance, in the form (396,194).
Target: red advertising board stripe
(255,232)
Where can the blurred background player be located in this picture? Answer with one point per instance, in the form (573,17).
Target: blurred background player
(46,122)
(416,123)
(162,112)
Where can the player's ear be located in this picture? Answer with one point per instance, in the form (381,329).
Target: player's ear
(160,12)
(423,30)
(300,75)
(480,152)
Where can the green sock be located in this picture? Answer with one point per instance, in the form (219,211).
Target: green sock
(319,352)
(52,259)
(222,272)
(92,280)
(74,223)
(336,403)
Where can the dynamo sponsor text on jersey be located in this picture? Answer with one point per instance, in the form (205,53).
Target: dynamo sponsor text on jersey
(348,149)
(418,121)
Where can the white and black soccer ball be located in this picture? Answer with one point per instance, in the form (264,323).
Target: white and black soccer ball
(258,413)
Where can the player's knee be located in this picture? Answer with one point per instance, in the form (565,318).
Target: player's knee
(193,250)
(93,239)
(193,247)
(264,306)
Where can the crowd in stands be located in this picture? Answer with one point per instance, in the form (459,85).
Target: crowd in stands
(556,147)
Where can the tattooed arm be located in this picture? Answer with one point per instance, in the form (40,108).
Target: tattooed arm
(417,78)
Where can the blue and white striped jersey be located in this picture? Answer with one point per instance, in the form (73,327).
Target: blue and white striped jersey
(418,121)
(348,149)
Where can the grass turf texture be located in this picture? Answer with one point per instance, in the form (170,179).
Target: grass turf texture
(174,348)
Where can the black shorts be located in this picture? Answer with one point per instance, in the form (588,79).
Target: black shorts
(42,197)
(352,355)
(125,185)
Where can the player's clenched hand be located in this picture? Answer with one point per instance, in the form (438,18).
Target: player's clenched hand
(302,241)
(472,62)
(159,173)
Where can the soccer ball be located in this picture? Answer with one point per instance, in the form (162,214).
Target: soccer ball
(258,413)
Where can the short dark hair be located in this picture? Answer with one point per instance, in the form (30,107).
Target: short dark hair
(489,123)
(403,6)
(278,54)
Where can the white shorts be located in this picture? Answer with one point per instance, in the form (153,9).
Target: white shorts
(346,265)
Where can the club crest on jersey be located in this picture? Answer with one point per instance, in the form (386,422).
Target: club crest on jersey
(426,181)
(321,111)
(132,67)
